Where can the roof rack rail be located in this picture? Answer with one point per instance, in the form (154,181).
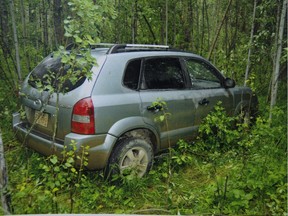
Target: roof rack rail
(92,46)
(101,45)
(118,48)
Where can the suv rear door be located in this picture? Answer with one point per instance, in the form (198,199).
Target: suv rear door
(163,79)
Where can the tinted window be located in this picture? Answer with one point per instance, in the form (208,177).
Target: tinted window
(201,75)
(132,72)
(49,73)
(163,73)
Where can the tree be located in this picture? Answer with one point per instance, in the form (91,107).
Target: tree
(134,21)
(250,43)
(218,31)
(4,28)
(276,72)
(24,34)
(5,201)
(58,21)
(16,44)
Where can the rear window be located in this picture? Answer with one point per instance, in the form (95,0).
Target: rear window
(47,75)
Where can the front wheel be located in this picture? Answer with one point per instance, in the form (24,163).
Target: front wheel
(131,157)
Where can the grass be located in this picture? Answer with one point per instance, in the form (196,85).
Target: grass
(191,189)
(249,179)
(96,195)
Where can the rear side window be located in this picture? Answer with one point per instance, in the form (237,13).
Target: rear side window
(132,73)
(48,74)
(163,73)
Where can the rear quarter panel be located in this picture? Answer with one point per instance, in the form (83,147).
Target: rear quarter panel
(112,101)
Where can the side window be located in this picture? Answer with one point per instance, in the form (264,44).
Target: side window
(132,72)
(201,75)
(163,73)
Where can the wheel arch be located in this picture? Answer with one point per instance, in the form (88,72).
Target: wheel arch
(135,127)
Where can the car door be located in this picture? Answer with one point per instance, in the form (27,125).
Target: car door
(207,89)
(163,79)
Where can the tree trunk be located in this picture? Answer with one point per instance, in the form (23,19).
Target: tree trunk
(23,20)
(197,27)
(190,22)
(218,31)
(202,27)
(208,26)
(16,44)
(250,44)
(45,27)
(150,28)
(4,28)
(276,73)
(134,21)
(58,27)
(5,201)
(166,22)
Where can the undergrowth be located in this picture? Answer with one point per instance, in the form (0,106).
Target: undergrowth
(230,169)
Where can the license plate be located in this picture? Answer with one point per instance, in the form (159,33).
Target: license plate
(41,118)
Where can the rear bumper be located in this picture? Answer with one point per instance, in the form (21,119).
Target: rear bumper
(100,146)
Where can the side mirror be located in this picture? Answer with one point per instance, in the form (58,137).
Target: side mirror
(229,83)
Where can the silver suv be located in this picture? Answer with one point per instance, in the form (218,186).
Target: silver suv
(113,112)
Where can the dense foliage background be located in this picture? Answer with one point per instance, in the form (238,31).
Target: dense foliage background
(247,40)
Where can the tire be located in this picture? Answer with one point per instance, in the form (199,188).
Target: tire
(131,157)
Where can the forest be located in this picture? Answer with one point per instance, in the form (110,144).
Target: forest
(246,40)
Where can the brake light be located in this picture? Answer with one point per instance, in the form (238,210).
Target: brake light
(83,117)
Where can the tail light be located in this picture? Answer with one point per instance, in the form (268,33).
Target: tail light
(83,117)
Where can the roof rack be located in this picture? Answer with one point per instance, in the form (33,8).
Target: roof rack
(101,45)
(118,48)
(92,46)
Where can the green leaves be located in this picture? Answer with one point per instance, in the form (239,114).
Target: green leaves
(80,28)
(53,160)
(59,175)
(245,162)
(84,18)
(160,106)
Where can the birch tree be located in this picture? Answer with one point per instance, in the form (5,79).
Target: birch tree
(276,69)
(250,43)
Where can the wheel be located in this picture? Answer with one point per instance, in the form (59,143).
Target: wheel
(131,157)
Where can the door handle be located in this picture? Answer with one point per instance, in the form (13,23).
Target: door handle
(204,102)
(155,108)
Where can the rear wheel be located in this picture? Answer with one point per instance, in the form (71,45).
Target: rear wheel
(131,157)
